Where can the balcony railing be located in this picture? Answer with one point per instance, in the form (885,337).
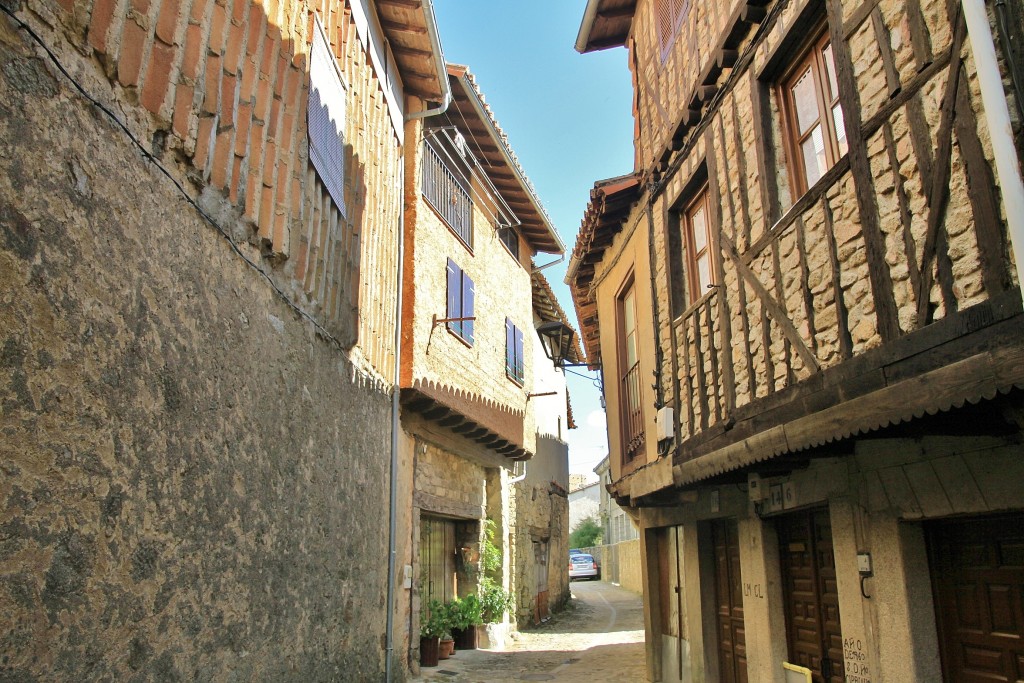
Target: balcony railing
(632,415)
(448,195)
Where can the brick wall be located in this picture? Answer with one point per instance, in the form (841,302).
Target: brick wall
(220,87)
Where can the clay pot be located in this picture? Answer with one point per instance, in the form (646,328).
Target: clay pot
(445,649)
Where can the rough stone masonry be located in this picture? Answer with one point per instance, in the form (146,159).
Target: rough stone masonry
(188,490)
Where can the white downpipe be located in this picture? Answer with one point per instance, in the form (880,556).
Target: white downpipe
(520,477)
(997,116)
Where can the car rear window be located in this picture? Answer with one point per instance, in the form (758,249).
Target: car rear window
(577,559)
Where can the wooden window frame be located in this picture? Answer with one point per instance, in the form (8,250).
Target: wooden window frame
(513,239)
(632,444)
(515,353)
(701,199)
(811,55)
(456,303)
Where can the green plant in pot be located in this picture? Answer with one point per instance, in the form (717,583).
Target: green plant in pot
(446,645)
(466,614)
(433,625)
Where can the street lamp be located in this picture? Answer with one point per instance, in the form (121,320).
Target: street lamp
(556,338)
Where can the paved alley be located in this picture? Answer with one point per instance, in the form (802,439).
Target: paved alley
(598,637)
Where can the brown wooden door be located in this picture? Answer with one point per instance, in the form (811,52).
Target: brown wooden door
(670,591)
(437,559)
(732,650)
(813,631)
(977,570)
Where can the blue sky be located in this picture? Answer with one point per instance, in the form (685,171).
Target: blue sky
(567,117)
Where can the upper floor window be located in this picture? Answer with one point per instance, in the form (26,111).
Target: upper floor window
(461,294)
(668,17)
(510,238)
(515,365)
(697,230)
(447,192)
(812,115)
(629,367)
(325,118)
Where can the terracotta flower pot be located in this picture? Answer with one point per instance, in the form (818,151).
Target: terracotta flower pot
(429,651)
(445,649)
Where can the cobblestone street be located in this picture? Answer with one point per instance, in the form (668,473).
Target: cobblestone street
(598,637)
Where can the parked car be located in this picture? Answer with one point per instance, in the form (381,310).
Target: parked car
(583,566)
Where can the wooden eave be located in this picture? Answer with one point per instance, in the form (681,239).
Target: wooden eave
(473,118)
(965,358)
(547,308)
(610,203)
(491,424)
(404,23)
(606,24)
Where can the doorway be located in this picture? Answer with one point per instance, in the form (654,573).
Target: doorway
(732,652)
(810,594)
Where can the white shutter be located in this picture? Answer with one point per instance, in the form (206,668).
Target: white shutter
(325,118)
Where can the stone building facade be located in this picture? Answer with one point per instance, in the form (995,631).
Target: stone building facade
(814,261)
(473,225)
(198,338)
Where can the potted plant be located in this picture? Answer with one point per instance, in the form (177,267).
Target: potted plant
(432,627)
(446,645)
(467,614)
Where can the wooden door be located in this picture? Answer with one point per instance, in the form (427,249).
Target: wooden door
(977,568)
(670,592)
(813,631)
(437,559)
(540,559)
(732,651)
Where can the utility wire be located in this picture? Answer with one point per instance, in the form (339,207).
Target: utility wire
(156,162)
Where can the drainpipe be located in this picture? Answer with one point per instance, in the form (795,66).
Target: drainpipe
(997,116)
(561,258)
(439,63)
(518,478)
(393,484)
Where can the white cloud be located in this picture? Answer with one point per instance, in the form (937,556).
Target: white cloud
(597,418)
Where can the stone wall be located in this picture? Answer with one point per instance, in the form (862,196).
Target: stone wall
(189,489)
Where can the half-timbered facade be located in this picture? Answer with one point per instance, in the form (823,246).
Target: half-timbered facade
(807,311)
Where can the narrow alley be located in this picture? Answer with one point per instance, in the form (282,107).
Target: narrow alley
(599,636)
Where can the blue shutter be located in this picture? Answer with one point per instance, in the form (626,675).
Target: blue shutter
(468,295)
(510,349)
(520,358)
(454,309)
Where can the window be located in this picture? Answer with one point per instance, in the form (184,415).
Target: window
(514,358)
(629,365)
(510,238)
(697,226)
(668,17)
(325,118)
(813,117)
(460,303)
(447,192)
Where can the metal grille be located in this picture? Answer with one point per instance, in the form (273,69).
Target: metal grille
(633,427)
(445,192)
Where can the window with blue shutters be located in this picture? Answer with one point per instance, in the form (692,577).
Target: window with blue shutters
(461,294)
(515,364)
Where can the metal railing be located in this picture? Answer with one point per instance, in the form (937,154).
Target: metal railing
(448,195)
(632,415)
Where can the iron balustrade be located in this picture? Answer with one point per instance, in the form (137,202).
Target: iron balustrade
(633,423)
(448,195)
